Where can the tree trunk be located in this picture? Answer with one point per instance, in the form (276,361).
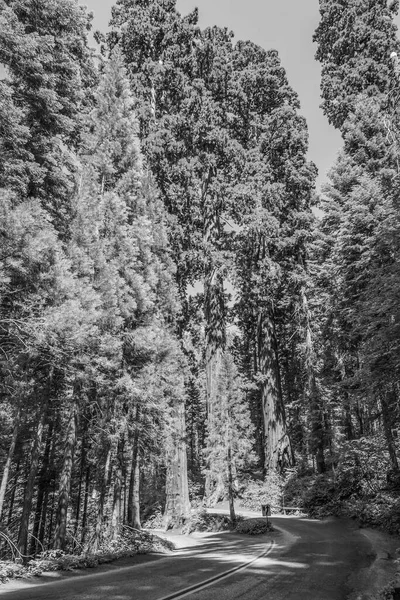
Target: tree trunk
(13,492)
(65,479)
(387,399)
(278,450)
(115,525)
(317,442)
(29,489)
(215,328)
(134,481)
(85,506)
(44,480)
(6,472)
(81,474)
(177,508)
(229,466)
(316,410)
(98,535)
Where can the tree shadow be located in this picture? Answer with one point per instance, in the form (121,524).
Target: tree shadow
(156,576)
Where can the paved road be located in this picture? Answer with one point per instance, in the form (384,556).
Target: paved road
(315,564)
(310,560)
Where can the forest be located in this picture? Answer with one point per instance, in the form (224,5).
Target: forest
(184,319)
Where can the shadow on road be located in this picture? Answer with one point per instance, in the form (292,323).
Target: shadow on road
(310,560)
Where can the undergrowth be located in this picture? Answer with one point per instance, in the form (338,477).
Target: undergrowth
(204,521)
(201,520)
(253,526)
(129,544)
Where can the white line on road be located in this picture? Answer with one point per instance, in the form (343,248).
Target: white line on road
(205,584)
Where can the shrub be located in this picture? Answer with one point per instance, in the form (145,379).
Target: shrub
(10,570)
(296,488)
(253,526)
(203,521)
(319,499)
(155,521)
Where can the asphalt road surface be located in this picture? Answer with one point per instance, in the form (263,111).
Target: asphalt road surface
(308,560)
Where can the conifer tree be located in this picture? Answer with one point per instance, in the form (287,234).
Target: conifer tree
(275,229)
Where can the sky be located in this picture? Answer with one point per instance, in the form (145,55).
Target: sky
(286,26)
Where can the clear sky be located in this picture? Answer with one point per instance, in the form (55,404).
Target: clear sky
(287,26)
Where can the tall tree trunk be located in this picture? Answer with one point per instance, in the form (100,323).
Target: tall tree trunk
(348,424)
(215,334)
(98,535)
(6,472)
(29,489)
(278,450)
(115,525)
(316,411)
(81,475)
(65,478)
(52,511)
(44,480)
(177,507)
(134,480)
(387,400)
(85,506)
(317,442)
(13,491)
(229,460)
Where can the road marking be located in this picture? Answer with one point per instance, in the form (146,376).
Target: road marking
(208,582)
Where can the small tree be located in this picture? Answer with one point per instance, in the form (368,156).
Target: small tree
(230,442)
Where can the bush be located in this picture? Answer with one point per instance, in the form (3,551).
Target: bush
(296,488)
(204,521)
(10,570)
(319,499)
(253,526)
(155,521)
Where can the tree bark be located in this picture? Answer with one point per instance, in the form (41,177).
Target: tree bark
(85,506)
(44,480)
(98,535)
(177,507)
(278,450)
(83,471)
(13,492)
(65,479)
(115,525)
(231,490)
(215,334)
(29,489)
(316,411)
(7,466)
(134,480)
(387,398)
